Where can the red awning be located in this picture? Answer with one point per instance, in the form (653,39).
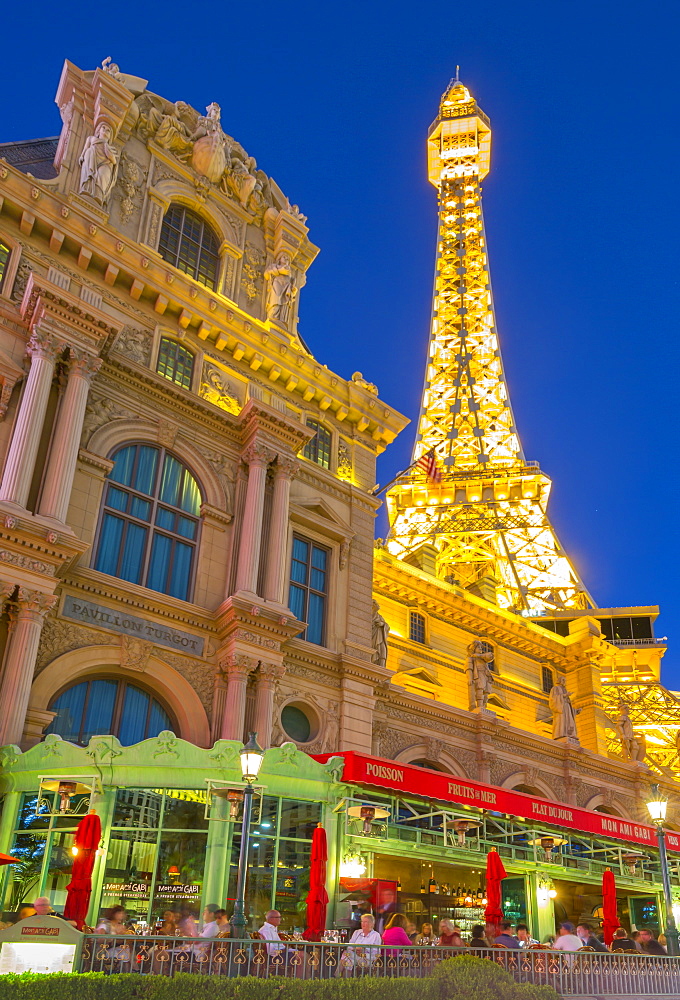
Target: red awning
(423,783)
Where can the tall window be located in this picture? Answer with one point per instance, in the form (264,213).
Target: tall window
(309,588)
(106,707)
(190,244)
(4,261)
(416,627)
(175,362)
(150,519)
(319,448)
(547,679)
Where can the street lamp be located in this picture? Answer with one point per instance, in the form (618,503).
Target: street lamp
(251,760)
(657,810)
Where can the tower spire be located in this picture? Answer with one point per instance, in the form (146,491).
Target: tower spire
(485,525)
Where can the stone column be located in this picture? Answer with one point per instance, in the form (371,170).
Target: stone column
(268,677)
(274,582)
(237,667)
(257,457)
(23,449)
(61,465)
(22,647)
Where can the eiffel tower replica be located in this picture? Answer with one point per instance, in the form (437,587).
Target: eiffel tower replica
(484,526)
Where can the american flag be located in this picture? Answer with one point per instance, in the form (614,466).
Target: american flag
(428,463)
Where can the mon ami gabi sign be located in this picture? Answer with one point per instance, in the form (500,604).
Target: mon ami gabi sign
(420,782)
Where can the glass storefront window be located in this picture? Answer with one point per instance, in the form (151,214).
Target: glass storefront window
(30,849)
(138,807)
(185,810)
(179,873)
(298,819)
(292,883)
(129,867)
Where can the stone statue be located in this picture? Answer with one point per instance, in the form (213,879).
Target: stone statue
(379,633)
(368,386)
(282,290)
(209,157)
(241,178)
(479,674)
(564,715)
(624,728)
(113,69)
(99,164)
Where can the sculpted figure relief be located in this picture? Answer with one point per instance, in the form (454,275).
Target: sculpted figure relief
(281,291)
(479,674)
(99,164)
(209,157)
(380,631)
(564,714)
(634,747)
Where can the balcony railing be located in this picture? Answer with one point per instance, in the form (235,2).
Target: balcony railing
(638,642)
(573,974)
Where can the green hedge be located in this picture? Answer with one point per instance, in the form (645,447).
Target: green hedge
(463,978)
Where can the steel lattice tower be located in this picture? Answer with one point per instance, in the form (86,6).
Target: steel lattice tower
(485,526)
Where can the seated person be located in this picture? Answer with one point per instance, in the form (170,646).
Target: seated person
(622,942)
(478,939)
(209,922)
(270,932)
(426,936)
(25,910)
(524,937)
(567,940)
(395,932)
(366,935)
(649,944)
(449,935)
(505,936)
(585,932)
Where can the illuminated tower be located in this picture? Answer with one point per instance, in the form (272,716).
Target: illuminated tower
(484,526)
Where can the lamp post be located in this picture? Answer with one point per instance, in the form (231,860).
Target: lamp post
(657,810)
(251,760)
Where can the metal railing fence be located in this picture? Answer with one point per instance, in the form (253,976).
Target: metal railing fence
(572,974)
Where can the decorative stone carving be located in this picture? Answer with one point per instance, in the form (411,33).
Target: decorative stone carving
(167,433)
(166,744)
(35,601)
(252,271)
(344,461)
(100,411)
(282,289)
(217,389)
(155,217)
(238,663)
(27,562)
(258,640)
(134,653)
(564,715)
(345,547)
(479,675)
(388,741)
(113,69)
(130,181)
(286,465)
(60,636)
(198,673)
(368,386)
(379,632)
(83,363)
(134,344)
(258,454)
(99,164)
(21,279)
(104,751)
(225,470)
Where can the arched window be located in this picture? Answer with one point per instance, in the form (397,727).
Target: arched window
(107,707)
(150,519)
(416,627)
(175,362)
(189,244)
(319,448)
(4,261)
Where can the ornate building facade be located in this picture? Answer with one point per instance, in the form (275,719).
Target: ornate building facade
(187,511)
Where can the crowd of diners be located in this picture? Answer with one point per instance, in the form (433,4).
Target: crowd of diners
(398,931)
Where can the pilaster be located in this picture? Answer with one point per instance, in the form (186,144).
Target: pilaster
(258,457)
(268,677)
(236,667)
(285,470)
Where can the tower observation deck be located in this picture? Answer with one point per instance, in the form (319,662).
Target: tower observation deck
(484,526)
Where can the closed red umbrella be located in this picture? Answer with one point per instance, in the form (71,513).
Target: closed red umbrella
(495,873)
(5,859)
(317,897)
(610,920)
(79,889)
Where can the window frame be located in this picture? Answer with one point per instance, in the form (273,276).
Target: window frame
(414,613)
(206,226)
(320,426)
(151,525)
(167,338)
(119,702)
(313,543)
(547,672)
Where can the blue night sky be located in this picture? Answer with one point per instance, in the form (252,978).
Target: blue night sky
(581,211)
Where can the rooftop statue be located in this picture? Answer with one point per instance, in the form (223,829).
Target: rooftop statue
(282,290)
(479,674)
(564,714)
(99,164)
